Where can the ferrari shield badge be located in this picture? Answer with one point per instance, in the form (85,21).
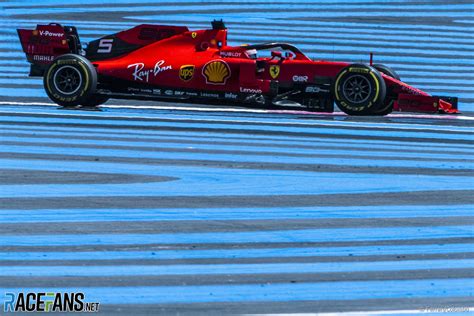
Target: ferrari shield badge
(274,71)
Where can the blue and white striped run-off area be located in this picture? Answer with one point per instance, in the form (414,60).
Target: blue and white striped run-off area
(155,208)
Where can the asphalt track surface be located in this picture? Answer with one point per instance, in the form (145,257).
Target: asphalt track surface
(164,208)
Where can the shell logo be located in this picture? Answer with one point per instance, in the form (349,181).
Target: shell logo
(216,72)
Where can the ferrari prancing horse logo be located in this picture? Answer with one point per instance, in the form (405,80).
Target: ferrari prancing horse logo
(274,71)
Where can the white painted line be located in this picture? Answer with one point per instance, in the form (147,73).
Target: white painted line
(27,103)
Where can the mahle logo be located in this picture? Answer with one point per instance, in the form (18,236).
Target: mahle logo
(48,302)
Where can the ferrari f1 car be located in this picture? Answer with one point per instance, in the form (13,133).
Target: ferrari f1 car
(161,62)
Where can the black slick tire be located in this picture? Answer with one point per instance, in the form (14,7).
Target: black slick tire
(386,70)
(359,90)
(70,80)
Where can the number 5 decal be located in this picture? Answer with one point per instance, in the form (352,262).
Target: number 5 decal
(105,45)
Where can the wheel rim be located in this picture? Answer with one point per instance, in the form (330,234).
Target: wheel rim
(67,80)
(357,89)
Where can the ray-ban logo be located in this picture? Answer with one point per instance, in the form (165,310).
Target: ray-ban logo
(48,302)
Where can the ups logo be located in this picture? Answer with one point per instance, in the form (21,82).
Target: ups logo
(186,72)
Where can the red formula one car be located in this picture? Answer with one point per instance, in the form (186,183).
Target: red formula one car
(173,63)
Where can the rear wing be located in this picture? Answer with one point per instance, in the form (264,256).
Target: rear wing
(43,44)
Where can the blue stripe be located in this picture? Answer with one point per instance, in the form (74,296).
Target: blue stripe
(315,8)
(249,138)
(22,92)
(254,150)
(22,81)
(241,253)
(307,127)
(293,236)
(276,120)
(225,181)
(354,161)
(27,3)
(229,269)
(223,214)
(181,138)
(430,288)
(460,11)
(345,6)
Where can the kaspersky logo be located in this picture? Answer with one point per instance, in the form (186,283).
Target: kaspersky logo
(48,302)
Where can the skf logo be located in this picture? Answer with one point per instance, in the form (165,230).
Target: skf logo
(216,72)
(186,72)
(274,71)
(47,302)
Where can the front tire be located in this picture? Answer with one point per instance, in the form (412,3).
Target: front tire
(359,90)
(70,80)
(386,70)
(387,107)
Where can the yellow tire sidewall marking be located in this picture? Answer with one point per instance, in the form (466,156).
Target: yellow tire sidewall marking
(358,70)
(377,87)
(337,84)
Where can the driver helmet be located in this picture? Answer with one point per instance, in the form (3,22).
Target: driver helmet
(251,53)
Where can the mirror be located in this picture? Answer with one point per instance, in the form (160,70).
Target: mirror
(276,54)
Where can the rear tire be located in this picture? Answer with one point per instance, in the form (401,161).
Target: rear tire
(70,80)
(359,90)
